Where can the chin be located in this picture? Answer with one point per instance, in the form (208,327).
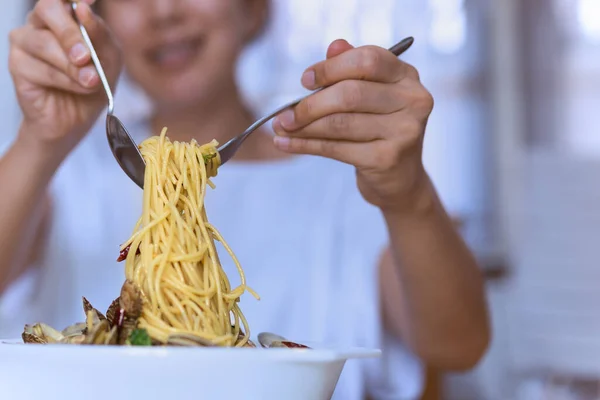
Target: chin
(180,97)
(193,85)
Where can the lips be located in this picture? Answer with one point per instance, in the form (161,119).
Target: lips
(175,55)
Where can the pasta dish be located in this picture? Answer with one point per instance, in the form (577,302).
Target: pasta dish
(176,291)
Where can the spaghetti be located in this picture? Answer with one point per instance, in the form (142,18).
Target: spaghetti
(171,255)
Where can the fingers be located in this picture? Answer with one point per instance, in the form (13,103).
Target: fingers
(364,63)
(103,41)
(350,127)
(338,47)
(43,45)
(94,25)
(360,155)
(54,15)
(349,96)
(53,36)
(35,21)
(371,114)
(28,68)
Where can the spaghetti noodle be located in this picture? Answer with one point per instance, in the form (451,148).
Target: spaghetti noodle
(171,255)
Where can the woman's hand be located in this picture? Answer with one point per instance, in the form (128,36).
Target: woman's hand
(56,83)
(372,115)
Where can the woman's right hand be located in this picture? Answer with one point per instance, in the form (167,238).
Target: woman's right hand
(57,86)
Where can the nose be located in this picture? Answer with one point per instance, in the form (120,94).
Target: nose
(163,11)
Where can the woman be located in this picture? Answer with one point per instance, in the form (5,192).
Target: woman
(352,247)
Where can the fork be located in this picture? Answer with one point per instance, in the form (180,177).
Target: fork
(126,151)
(228,149)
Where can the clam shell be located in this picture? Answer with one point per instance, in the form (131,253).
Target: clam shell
(126,329)
(32,339)
(269,340)
(74,339)
(75,330)
(97,334)
(41,333)
(91,320)
(49,333)
(87,307)
(131,300)
(112,311)
(112,336)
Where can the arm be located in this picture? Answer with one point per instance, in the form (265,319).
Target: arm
(373,115)
(60,104)
(432,289)
(24,208)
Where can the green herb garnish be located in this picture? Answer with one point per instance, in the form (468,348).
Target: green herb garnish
(208,157)
(139,337)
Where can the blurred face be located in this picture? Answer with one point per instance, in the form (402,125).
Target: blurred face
(182,51)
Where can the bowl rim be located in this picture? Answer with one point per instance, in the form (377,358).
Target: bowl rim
(318,353)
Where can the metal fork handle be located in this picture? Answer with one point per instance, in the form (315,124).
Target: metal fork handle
(95,60)
(228,149)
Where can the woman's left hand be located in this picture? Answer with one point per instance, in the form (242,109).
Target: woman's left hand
(372,115)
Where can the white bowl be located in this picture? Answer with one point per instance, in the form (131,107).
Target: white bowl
(118,372)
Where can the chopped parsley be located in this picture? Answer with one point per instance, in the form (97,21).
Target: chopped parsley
(139,337)
(208,157)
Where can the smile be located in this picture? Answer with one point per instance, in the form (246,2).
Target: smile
(175,55)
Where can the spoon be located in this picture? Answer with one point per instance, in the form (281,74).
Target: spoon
(125,149)
(228,150)
(121,144)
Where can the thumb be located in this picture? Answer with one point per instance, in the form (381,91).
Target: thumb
(338,47)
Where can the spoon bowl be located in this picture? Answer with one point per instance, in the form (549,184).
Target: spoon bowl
(122,145)
(127,152)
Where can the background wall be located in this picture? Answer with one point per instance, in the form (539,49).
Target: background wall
(11,16)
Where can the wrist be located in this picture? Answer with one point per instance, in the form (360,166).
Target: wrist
(420,201)
(45,156)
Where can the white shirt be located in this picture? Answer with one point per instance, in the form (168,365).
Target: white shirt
(308,242)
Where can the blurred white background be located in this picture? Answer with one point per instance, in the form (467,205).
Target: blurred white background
(513,147)
(11,15)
